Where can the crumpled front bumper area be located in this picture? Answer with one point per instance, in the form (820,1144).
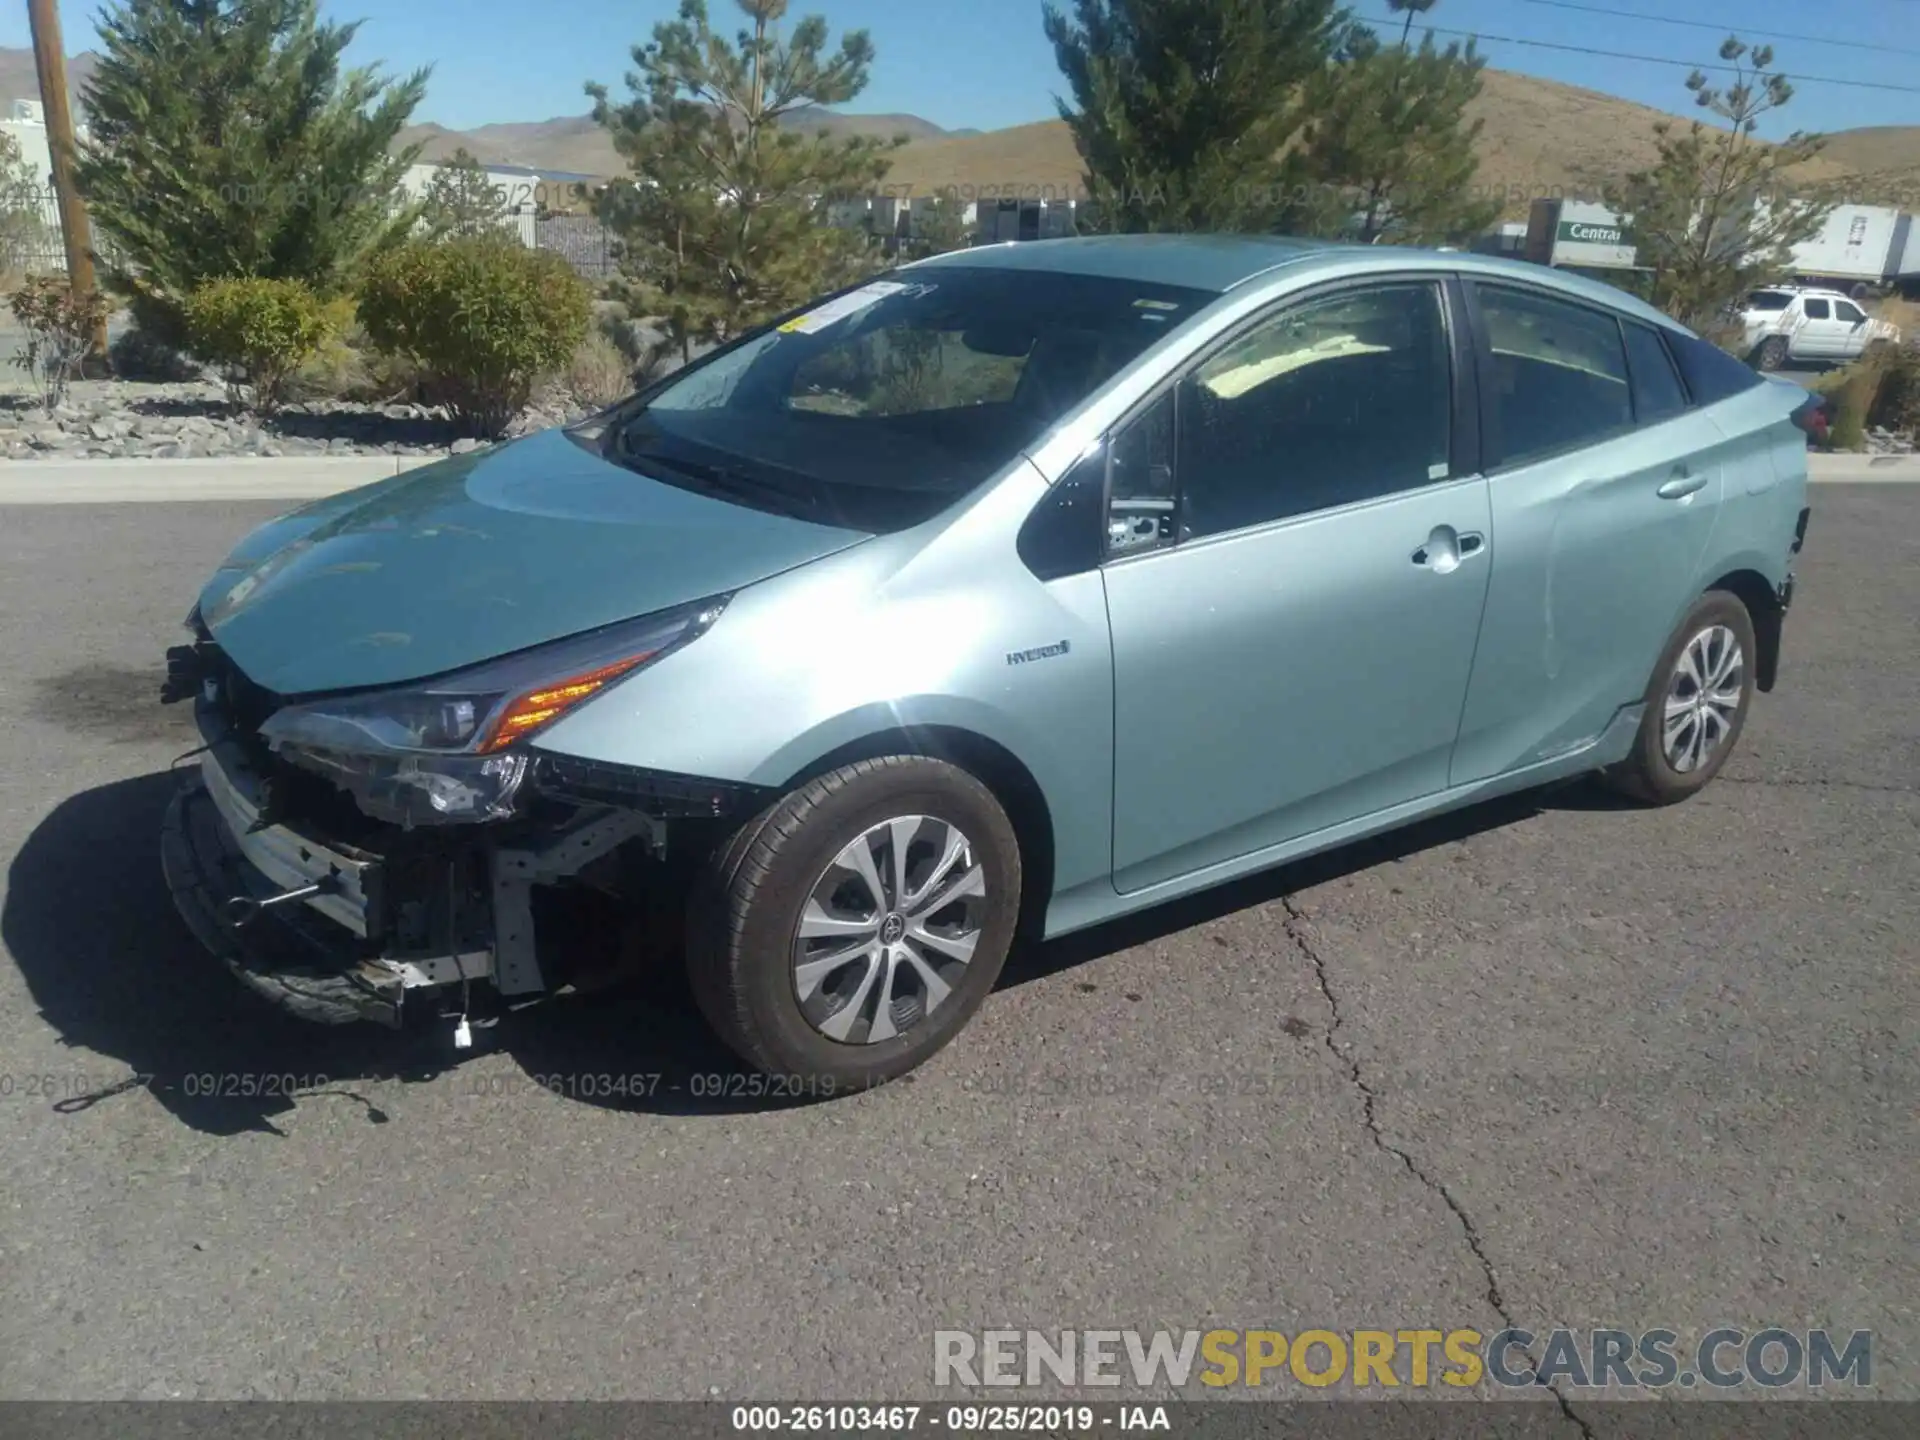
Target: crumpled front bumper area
(336,931)
(303,961)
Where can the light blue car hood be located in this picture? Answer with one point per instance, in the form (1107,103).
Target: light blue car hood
(479,556)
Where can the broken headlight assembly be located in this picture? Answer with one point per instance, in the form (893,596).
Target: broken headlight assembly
(447,751)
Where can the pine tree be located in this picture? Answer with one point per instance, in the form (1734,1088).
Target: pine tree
(227,141)
(462,199)
(1718,212)
(1389,153)
(940,226)
(721,221)
(1181,109)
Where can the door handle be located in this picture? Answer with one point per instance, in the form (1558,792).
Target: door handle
(1447,547)
(1681,484)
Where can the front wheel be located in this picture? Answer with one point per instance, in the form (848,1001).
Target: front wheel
(848,932)
(1772,353)
(1696,704)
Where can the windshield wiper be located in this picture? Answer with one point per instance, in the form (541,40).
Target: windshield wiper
(735,482)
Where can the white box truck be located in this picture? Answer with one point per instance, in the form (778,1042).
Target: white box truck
(1854,251)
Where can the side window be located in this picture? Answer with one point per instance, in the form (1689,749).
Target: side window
(1849,312)
(1712,374)
(1141,502)
(1332,401)
(1657,393)
(1816,309)
(1559,375)
(1062,535)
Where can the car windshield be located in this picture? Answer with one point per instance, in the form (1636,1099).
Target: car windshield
(877,409)
(1768,300)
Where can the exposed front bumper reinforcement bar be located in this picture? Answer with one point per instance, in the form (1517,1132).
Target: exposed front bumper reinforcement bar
(286,954)
(334,933)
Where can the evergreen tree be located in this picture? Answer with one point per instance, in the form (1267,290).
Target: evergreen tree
(462,199)
(940,226)
(721,222)
(1389,153)
(1718,212)
(227,141)
(1181,109)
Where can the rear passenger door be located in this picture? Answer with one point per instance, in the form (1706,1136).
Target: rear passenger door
(1605,482)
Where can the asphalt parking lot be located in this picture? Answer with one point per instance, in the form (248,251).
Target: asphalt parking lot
(1552,1062)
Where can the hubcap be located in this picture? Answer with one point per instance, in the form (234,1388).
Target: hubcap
(888,930)
(1703,698)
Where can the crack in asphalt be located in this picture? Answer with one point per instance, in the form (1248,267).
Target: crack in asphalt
(1370,1115)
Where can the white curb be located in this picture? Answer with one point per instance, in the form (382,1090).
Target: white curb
(1864,469)
(120,482)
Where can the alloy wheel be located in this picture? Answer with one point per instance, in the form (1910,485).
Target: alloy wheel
(1703,698)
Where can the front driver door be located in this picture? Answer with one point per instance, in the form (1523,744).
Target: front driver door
(1850,330)
(1298,555)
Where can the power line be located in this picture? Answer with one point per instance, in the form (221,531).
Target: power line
(1797,77)
(1742,31)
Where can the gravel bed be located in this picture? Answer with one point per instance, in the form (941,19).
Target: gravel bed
(125,419)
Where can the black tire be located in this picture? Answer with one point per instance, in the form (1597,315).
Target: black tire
(744,912)
(1772,353)
(1646,774)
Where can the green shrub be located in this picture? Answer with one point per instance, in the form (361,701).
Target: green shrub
(598,375)
(59,326)
(1898,405)
(485,318)
(259,332)
(1855,395)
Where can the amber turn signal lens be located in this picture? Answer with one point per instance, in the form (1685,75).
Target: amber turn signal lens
(527,713)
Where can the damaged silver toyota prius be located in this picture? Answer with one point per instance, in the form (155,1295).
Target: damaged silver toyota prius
(1017,590)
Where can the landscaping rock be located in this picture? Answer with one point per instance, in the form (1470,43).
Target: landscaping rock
(193,419)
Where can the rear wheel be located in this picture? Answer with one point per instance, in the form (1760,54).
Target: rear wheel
(1772,353)
(848,932)
(1696,704)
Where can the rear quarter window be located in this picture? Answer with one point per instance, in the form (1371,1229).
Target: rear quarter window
(1712,375)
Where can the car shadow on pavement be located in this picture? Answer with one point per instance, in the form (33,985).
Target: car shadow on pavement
(1037,962)
(113,970)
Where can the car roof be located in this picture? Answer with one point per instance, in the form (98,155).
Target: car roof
(1220,263)
(1819,292)
(1196,262)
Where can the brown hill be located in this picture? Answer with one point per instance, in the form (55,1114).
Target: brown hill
(20,81)
(575,143)
(1885,159)
(1538,138)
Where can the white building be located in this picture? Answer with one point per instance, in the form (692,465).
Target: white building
(26,122)
(521,192)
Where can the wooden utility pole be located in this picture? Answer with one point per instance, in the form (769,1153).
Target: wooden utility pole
(50,60)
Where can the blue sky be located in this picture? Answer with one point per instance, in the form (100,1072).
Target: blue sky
(986,64)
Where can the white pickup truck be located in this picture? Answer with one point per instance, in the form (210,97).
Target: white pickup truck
(1785,324)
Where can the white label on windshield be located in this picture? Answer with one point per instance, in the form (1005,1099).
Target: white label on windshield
(834,311)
